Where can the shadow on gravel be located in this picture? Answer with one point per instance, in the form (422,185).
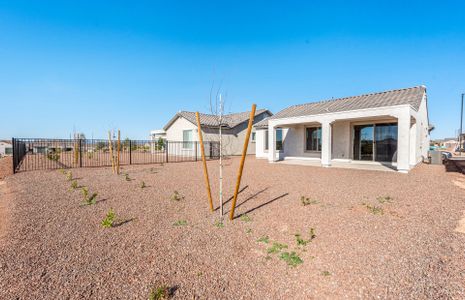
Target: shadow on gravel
(261,205)
(230,198)
(122,222)
(252,196)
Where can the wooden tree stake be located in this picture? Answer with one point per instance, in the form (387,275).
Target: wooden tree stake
(111,152)
(204,160)
(118,152)
(241,167)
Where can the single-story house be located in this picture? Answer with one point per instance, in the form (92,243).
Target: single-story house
(6,148)
(183,128)
(390,127)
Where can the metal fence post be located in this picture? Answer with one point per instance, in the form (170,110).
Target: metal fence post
(80,153)
(130,152)
(166,150)
(14,155)
(195,152)
(211,150)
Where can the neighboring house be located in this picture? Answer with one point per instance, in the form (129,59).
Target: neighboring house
(183,127)
(447,143)
(157,138)
(389,127)
(155,135)
(6,148)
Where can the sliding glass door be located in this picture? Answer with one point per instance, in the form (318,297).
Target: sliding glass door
(376,142)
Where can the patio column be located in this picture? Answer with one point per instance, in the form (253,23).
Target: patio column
(271,143)
(326,143)
(403,142)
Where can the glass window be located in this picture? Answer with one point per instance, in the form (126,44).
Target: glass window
(313,139)
(187,139)
(253,137)
(279,139)
(266,139)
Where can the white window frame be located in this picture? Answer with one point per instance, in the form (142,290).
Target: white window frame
(189,143)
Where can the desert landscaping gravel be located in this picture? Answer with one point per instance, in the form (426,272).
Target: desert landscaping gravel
(376,234)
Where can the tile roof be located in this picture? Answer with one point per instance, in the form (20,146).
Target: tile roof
(209,120)
(412,96)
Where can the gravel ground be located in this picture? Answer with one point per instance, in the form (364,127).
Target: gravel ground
(6,166)
(405,247)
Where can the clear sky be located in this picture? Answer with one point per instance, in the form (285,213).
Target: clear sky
(96,65)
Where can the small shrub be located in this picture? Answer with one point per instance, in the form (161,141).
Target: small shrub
(88,200)
(264,239)
(69,176)
(126,176)
(248,231)
(90,155)
(245,218)
(292,259)
(180,223)
(307,201)
(109,219)
(74,184)
(142,185)
(277,247)
(62,171)
(159,293)
(176,196)
(384,199)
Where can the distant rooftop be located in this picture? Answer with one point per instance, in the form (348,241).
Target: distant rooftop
(210,120)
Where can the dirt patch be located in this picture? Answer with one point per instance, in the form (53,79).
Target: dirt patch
(461,227)
(56,247)
(6,166)
(5,203)
(460,183)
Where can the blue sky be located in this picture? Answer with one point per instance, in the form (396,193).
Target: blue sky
(95,65)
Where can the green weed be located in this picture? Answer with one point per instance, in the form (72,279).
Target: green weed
(176,196)
(159,293)
(69,176)
(264,239)
(88,200)
(376,210)
(142,185)
(326,273)
(276,248)
(180,223)
(385,199)
(245,218)
(109,219)
(219,224)
(74,184)
(307,201)
(292,259)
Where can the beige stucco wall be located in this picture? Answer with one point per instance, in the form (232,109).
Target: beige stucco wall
(233,139)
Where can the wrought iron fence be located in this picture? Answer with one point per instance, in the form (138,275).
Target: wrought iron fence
(40,154)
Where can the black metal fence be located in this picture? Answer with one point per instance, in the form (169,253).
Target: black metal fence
(40,154)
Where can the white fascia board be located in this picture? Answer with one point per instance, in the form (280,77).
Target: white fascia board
(342,115)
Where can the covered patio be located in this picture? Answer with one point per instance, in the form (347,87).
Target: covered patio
(323,133)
